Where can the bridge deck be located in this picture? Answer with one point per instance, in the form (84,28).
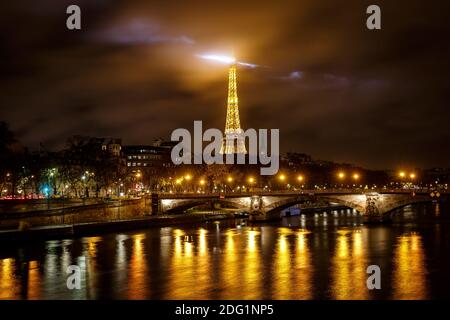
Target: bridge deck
(191,195)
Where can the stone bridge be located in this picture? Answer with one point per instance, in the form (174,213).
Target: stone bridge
(372,205)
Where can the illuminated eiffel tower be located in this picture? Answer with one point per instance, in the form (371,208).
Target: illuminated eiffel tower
(233,142)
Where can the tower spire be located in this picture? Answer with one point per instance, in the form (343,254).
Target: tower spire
(234,138)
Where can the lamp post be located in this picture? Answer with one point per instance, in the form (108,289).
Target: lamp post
(341,177)
(300,179)
(229,181)
(251,182)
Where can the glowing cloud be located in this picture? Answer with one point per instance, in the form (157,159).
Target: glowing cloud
(225,59)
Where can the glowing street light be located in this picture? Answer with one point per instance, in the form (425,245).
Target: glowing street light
(251,180)
(355,176)
(188,177)
(412,175)
(402,174)
(138,175)
(341,175)
(300,178)
(202,182)
(282,177)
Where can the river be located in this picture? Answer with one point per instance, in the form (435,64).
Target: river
(315,257)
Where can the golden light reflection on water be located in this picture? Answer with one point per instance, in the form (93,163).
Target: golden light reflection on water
(34,284)
(230,267)
(437,209)
(202,264)
(303,271)
(409,275)
(137,274)
(232,263)
(282,272)
(7,280)
(252,266)
(88,264)
(348,270)
(190,269)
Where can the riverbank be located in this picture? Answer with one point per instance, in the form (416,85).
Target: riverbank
(93,228)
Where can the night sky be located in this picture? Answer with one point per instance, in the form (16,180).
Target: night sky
(336,90)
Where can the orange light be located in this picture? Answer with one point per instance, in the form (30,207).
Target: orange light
(251,179)
(341,175)
(282,177)
(230,179)
(202,182)
(355,176)
(402,174)
(412,175)
(300,178)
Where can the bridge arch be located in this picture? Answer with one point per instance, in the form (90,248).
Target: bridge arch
(276,207)
(392,210)
(179,206)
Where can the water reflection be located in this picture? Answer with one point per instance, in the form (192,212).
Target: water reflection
(303,271)
(348,271)
(309,259)
(282,272)
(409,276)
(137,274)
(252,266)
(230,267)
(7,280)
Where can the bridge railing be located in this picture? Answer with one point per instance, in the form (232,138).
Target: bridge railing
(297,192)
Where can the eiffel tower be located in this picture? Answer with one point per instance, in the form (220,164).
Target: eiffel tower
(233,142)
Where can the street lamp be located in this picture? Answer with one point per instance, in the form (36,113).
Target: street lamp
(300,178)
(355,176)
(402,174)
(341,175)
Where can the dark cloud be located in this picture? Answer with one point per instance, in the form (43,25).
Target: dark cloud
(335,89)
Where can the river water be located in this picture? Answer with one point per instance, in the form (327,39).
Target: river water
(322,257)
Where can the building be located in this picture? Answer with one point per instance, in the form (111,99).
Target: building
(148,156)
(113,145)
(295,159)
